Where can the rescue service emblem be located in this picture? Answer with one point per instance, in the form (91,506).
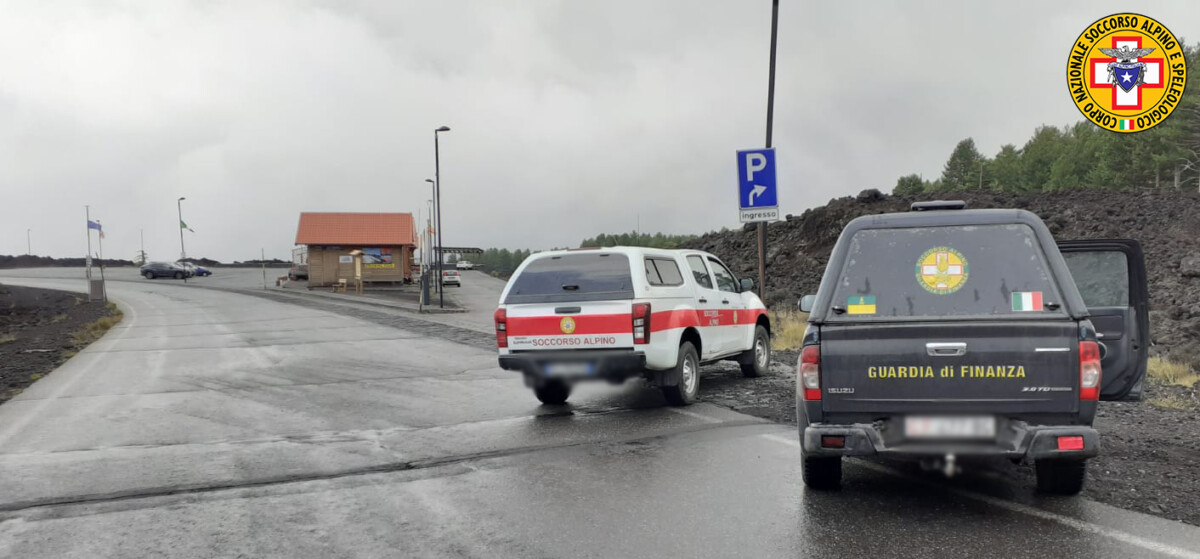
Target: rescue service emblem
(1126,72)
(942,270)
(567,325)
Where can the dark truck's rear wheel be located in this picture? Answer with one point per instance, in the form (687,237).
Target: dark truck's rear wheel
(757,359)
(1061,477)
(553,393)
(687,370)
(823,473)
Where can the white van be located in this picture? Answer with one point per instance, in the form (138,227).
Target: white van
(621,312)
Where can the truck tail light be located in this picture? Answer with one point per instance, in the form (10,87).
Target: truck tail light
(641,323)
(1089,370)
(1070,443)
(501,318)
(810,372)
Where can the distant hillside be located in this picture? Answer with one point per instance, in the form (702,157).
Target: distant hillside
(28,261)
(656,240)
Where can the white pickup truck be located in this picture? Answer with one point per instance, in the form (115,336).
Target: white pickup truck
(621,312)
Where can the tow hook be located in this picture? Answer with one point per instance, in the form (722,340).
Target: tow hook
(949,468)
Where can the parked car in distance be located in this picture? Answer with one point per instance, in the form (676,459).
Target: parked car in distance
(153,270)
(451,277)
(298,272)
(194,270)
(465,265)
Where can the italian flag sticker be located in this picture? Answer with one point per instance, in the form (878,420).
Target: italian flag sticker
(1027,300)
(1126,125)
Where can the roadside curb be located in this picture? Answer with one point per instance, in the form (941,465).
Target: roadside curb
(366,300)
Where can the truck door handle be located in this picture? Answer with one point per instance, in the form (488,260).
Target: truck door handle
(703,300)
(945,349)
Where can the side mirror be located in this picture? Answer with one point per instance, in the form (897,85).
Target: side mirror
(747,285)
(807,302)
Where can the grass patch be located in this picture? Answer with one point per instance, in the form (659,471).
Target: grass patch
(59,318)
(788,328)
(36,376)
(1172,402)
(1172,373)
(95,330)
(7,339)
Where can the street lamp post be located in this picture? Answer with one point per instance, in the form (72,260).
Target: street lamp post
(28,243)
(437,177)
(437,287)
(179,206)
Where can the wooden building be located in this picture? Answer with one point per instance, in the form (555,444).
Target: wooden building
(386,239)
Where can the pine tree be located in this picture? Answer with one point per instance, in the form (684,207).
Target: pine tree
(964,168)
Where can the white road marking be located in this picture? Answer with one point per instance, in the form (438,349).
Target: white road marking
(1075,523)
(694,415)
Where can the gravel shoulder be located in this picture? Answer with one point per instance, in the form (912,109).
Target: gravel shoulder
(39,329)
(1149,458)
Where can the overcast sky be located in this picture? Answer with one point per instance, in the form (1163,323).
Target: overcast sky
(569,118)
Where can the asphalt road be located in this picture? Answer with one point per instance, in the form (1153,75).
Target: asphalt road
(216,424)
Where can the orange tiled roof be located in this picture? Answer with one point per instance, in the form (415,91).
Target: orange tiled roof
(349,228)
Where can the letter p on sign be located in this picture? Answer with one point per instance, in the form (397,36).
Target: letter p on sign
(755,162)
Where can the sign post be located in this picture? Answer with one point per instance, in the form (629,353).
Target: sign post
(756,192)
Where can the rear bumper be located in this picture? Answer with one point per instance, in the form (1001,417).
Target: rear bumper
(612,365)
(1020,440)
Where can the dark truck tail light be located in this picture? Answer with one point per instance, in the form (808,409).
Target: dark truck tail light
(1089,370)
(810,371)
(641,323)
(1070,443)
(501,318)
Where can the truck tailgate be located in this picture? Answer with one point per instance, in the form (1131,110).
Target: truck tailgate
(988,367)
(586,325)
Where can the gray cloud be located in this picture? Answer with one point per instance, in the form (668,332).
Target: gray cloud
(569,118)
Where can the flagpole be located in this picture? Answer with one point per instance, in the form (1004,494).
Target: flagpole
(87,211)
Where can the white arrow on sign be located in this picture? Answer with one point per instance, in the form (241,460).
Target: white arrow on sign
(755,193)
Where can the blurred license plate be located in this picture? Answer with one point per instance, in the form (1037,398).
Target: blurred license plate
(947,427)
(568,369)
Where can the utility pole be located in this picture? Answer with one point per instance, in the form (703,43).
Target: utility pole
(87,211)
(762,225)
(142,254)
(179,206)
(28,243)
(437,177)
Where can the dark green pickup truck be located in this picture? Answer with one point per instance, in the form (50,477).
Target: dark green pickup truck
(945,334)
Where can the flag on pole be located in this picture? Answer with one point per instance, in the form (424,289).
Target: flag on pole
(183,225)
(96,225)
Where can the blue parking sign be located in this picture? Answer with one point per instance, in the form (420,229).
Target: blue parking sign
(757,197)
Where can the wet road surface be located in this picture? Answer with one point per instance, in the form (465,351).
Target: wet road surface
(216,424)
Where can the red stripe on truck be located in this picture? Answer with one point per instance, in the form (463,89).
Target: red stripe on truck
(621,323)
(583,324)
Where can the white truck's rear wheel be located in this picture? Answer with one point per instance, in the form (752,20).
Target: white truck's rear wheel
(688,372)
